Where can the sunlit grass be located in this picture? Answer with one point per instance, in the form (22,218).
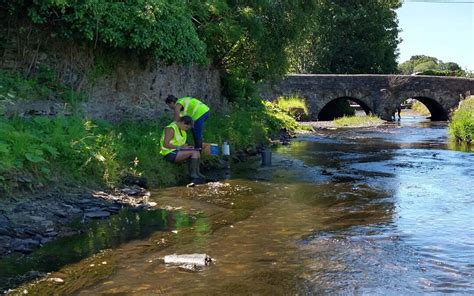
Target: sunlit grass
(294,106)
(420,108)
(356,121)
(461,126)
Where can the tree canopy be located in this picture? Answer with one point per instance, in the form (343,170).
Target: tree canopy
(248,40)
(359,36)
(428,65)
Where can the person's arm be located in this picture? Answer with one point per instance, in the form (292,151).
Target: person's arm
(177,109)
(169,132)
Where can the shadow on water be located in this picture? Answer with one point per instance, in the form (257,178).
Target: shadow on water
(96,236)
(368,211)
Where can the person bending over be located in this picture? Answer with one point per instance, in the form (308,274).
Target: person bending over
(174,148)
(188,106)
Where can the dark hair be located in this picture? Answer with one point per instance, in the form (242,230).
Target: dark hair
(186,120)
(171,99)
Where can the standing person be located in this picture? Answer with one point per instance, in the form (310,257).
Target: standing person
(194,108)
(174,149)
(399,110)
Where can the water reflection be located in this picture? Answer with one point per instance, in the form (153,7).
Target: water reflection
(98,235)
(342,212)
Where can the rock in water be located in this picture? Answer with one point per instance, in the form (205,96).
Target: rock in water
(194,259)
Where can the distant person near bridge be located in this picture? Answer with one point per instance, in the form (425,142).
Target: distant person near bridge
(197,110)
(398,110)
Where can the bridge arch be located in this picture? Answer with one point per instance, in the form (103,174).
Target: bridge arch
(334,108)
(438,112)
(380,93)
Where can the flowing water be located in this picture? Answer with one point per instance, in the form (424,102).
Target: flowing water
(386,210)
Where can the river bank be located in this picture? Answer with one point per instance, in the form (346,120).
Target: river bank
(369,211)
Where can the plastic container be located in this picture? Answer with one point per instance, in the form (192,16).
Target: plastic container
(225,149)
(213,149)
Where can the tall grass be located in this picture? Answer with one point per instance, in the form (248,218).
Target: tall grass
(356,121)
(295,106)
(461,126)
(61,149)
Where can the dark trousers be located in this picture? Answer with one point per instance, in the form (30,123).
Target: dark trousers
(198,129)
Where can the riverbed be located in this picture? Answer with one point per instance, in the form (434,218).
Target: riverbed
(386,210)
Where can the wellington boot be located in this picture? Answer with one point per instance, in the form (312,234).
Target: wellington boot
(199,171)
(194,168)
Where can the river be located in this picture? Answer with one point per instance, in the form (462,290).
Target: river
(387,210)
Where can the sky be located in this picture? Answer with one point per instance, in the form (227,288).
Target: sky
(444,30)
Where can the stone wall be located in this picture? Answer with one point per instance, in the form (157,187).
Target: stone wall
(131,87)
(378,94)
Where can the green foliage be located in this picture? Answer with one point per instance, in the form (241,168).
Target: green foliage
(158,27)
(348,37)
(250,122)
(461,126)
(294,106)
(72,148)
(357,121)
(248,39)
(43,85)
(426,65)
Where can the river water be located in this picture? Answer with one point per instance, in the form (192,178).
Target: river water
(386,210)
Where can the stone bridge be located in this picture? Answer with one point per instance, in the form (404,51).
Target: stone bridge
(377,94)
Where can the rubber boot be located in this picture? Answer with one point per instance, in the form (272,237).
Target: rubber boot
(199,170)
(193,168)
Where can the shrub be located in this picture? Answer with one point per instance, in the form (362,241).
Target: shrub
(461,126)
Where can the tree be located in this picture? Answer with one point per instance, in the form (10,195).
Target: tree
(359,36)
(430,66)
(249,38)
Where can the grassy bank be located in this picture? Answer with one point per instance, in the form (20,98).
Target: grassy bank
(420,108)
(41,150)
(357,121)
(294,106)
(461,126)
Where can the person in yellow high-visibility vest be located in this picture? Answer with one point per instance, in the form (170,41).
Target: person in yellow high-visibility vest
(189,106)
(174,149)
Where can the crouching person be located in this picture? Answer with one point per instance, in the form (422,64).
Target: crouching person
(174,148)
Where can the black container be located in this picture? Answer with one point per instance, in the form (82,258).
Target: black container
(267,157)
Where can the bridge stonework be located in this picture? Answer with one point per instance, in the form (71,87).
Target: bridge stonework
(377,94)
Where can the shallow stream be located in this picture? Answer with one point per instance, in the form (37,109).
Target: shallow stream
(386,210)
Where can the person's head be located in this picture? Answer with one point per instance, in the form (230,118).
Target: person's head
(171,101)
(185,123)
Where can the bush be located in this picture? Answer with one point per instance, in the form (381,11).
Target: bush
(43,85)
(157,27)
(294,106)
(461,126)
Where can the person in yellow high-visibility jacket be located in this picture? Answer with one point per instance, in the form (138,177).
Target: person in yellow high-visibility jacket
(197,110)
(174,149)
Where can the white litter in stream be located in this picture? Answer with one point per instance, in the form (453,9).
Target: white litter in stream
(194,259)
